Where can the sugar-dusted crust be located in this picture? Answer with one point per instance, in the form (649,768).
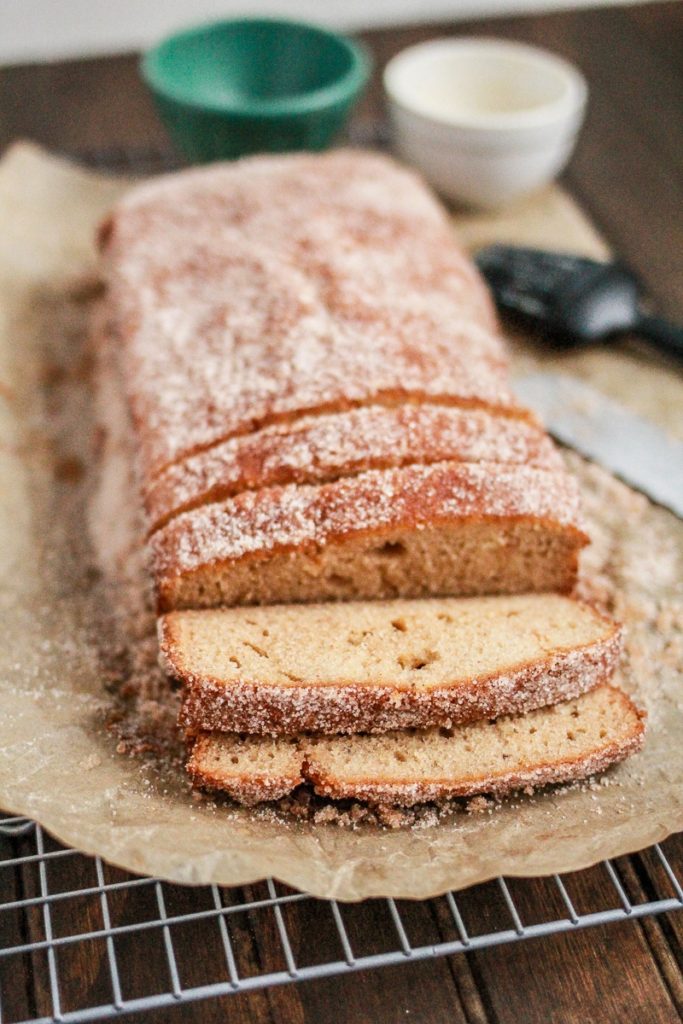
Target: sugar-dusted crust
(321,448)
(245,787)
(535,776)
(261,709)
(193,548)
(256,292)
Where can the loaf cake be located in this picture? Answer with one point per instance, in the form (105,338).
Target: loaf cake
(319,398)
(381,665)
(563,743)
(319,393)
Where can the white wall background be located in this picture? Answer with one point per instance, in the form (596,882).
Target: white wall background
(50,29)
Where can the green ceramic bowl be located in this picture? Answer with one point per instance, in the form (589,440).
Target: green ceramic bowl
(251,85)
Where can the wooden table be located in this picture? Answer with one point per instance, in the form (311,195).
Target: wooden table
(628,173)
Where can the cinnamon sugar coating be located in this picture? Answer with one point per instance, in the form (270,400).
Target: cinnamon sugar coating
(408,794)
(251,293)
(319,392)
(321,448)
(383,664)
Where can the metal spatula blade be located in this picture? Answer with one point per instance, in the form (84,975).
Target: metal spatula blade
(574,299)
(633,448)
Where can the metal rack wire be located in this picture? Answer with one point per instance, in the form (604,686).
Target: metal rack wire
(47,923)
(61,910)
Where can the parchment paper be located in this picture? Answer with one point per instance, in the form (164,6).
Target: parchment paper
(59,764)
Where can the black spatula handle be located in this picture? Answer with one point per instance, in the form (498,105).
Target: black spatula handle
(665,335)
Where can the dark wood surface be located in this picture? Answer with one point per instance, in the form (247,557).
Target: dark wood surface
(628,173)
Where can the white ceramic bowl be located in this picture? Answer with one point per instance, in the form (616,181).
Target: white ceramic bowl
(486,121)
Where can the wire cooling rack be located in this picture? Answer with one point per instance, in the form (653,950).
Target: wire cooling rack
(83,941)
(74,931)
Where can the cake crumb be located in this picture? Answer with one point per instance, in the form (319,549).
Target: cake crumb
(478,804)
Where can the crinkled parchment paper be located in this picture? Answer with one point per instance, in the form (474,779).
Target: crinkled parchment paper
(58,762)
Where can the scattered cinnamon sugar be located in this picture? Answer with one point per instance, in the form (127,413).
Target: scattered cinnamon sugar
(69,470)
(632,561)
(479,803)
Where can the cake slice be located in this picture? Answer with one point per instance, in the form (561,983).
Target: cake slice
(563,743)
(375,666)
(446,529)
